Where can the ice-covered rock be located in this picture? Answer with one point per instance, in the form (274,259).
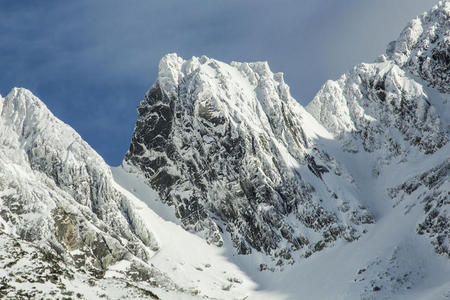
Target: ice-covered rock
(397,109)
(388,105)
(232,151)
(379,107)
(423,47)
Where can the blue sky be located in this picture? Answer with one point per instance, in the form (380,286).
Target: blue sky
(91,61)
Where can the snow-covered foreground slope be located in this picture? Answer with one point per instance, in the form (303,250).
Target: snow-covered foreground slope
(390,262)
(189,259)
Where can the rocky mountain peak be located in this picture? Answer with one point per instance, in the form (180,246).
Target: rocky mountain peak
(23,109)
(396,110)
(57,192)
(423,47)
(234,153)
(399,92)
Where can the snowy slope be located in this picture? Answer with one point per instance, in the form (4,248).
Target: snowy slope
(201,268)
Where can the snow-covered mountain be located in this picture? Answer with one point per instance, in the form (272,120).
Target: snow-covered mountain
(232,151)
(59,205)
(233,190)
(67,228)
(397,109)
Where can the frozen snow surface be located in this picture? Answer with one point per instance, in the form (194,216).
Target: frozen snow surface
(232,190)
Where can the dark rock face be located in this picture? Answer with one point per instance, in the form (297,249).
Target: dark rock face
(225,160)
(315,168)
(153,131)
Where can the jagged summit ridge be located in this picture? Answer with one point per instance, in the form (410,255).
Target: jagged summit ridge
(208,77)
(390,94)
(423,47)
(373,97)
(232,151)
